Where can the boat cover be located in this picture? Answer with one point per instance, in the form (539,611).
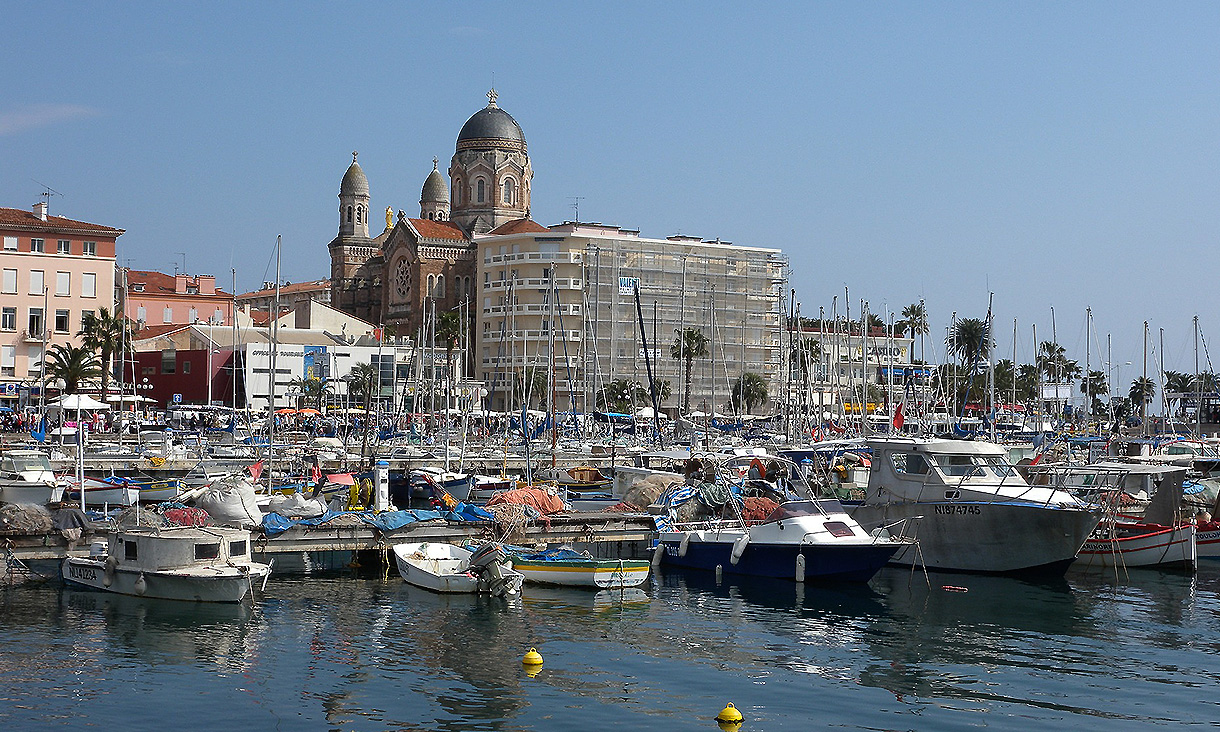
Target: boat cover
(275,524)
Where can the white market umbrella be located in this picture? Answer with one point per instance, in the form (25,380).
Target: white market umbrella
(81,402)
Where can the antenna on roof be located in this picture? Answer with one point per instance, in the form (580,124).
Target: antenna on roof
(47,192)
(576,208)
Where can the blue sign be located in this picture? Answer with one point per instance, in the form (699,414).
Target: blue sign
(177,399)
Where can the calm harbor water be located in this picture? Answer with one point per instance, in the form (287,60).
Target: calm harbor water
(342,651)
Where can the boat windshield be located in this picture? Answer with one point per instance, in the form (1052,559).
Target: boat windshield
(21,463)
(974,466)
(794,509)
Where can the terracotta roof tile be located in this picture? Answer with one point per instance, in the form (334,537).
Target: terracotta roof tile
(27,219)
(519,226)
(438,229)
(158,283)
(311,286)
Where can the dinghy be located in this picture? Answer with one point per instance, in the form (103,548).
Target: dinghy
(446,568)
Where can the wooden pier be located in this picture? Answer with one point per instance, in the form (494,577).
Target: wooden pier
(606,534)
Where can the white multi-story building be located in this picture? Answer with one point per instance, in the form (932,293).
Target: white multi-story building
(574,286)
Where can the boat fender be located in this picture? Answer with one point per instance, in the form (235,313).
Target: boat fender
(800,568)
(739,547)
(657,555)
(108,574)
(141,586)
(685,543)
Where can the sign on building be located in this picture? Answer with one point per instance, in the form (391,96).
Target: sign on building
(628,285)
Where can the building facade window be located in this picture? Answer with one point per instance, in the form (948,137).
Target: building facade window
(186,367)
(167,316)
(34,322)
(10,243)
(88,284)
(349,214)
(192,315)
(167,361)
(62,321)
(37,282)
(510,191)
(8,360)
(63,283)
(142,314)
(37,245)
(440,285)
(8,319)
(64,246)
(34,357)
(481,190)
(89,249)
(8,283)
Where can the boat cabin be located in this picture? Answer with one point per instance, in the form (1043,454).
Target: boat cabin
(28,465)
(163,549)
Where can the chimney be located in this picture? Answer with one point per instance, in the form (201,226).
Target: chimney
(40,210)
(207,284)
(180,281)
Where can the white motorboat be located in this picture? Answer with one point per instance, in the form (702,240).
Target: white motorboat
(26,478)
(969,508)
(200,564)
(580,569)
(1123,545)
(805,540)
(447,568)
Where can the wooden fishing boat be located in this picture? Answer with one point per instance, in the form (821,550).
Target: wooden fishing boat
(1121,544)
(567,567)
(200,564)
(447,568)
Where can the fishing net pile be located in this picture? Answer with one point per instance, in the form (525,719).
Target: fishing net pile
(757,509)
(25,519)
(645,491)
(140,516)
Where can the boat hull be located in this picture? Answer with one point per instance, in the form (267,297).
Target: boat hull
(216,586)
(25,492)
(601,573)
(834,562)
(1167,548)
(984,537)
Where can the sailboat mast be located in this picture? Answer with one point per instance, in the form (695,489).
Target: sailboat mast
(1198,385)
(275,346)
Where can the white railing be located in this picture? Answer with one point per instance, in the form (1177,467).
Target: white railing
(536,309)
(569,257)
(535,283)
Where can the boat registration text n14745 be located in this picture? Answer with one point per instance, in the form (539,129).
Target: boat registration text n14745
(951,510)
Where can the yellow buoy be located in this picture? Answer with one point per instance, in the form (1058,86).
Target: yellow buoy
(729,714)
(532,658)
(729,726)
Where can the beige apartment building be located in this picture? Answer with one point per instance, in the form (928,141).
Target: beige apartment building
(53,271)
(573,286)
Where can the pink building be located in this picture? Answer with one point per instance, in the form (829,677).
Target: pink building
(156,298)
(53,271)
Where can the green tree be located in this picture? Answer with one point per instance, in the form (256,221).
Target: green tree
(362,383)
(105,334)
(71,367)
(621,395)
(805,353)
(915,319)
(1178,384)
(970,340)
(1027,382)
(311,392)
(532,387)
(1141,393)
(689,344)
(749,391)
(1094,386)
(448,331)
(1005,373)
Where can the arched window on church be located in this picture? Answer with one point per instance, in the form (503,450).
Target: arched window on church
(431,285)
(440,286)
(481,191)
(349,214)
(509,192)
(457,190)
(359,214)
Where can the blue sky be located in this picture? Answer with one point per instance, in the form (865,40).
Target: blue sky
(1058,154)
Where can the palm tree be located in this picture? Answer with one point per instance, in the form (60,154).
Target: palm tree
(1142,391)
(804,354)
(621,395)
(310,391)
(1093,386)
(970,340)
(749,391)
(915,320)
(448,331)
(1027,382)
(532,386)
(71,366)
(105,333)
(689,344)
(362,383)
(1178,384)
(1005,373)
(1051,360)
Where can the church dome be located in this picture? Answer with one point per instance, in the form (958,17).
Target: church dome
(434,187)
(354,181)
(491,122)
